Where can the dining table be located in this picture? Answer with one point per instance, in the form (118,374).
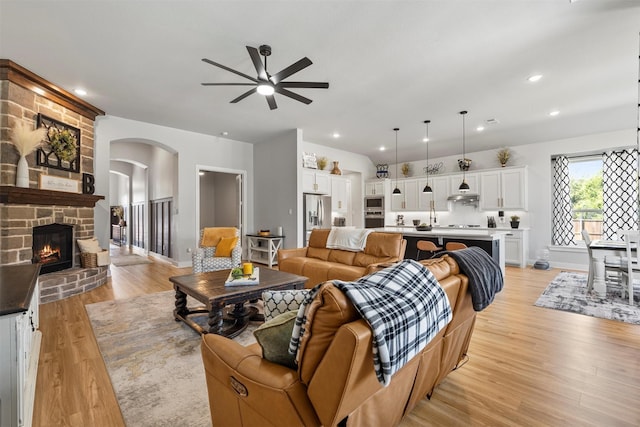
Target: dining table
(600,249)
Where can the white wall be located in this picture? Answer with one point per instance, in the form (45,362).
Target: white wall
(538,159)
(194,149)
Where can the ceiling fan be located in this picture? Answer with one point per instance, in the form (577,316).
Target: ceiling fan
(267,84)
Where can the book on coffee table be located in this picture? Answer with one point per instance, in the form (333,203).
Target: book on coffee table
(252,279)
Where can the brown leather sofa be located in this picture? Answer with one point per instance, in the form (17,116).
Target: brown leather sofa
(335,382)
(320,264)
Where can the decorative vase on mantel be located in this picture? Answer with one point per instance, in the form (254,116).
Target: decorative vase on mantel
(22,173)
(336,170)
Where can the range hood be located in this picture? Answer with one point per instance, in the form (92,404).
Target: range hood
(466,199)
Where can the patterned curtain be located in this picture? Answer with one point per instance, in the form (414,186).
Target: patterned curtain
(619,192)
(562,211)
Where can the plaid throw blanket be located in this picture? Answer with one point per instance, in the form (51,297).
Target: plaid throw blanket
(405,306)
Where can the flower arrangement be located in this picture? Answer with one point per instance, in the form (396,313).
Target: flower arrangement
(117,211)
(515,218)
(503,156)
(26,140)
(64,143)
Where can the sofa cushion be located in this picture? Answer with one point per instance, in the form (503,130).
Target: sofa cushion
(318,253)
(341,256)
(329,310)
(225,246)
(345,272)
(274,336)
(383,245)
(318,238)
(280,302)
(293,265)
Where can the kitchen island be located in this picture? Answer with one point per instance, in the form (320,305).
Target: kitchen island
(490,240)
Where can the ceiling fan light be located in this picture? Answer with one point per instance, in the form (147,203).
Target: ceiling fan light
(427,189)
(265,89)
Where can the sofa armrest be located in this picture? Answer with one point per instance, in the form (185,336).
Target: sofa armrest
(340,383)
(291,253)
(245,389)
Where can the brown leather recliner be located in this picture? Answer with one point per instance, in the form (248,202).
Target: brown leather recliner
(319,263)
(335,382)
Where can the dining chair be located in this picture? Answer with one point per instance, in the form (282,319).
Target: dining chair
(454,246)
(427,246)
(612,264)
(631,268)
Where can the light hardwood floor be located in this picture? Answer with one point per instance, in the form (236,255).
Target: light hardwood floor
(528,366)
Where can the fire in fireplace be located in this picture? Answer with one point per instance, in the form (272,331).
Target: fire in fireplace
(53,247)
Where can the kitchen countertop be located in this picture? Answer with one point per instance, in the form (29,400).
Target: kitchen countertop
(17,283)
(446,227)
(472,233)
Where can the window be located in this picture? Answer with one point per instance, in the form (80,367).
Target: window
(597,193)
(585,177)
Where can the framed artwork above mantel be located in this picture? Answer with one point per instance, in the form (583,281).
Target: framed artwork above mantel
(61,149)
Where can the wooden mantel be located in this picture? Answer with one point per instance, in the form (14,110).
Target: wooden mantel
(32,196)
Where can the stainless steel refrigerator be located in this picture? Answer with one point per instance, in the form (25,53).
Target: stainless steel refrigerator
(317,213)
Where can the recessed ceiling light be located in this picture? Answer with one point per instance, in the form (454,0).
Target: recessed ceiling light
(425,139)
(535,78)
(382,148)
(224,133)
(336,135)
(480,128)
(80,92)
(554,113)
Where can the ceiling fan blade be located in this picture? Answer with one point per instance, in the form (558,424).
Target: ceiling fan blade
(271,100)
(291,69)
(243,96)
(257,62)
(312,85)
(227,84)
(292,95)
(208,61)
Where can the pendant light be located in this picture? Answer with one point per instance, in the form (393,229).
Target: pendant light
(427,188)
(396,191)
(464,187)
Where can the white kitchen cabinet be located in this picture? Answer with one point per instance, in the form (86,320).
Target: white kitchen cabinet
(441,190)
(408,199)
(340,194)
(374,188)
(504,189)
(20,348)
(516,247)
(315,182)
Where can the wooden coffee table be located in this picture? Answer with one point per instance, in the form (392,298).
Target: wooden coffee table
(209,289)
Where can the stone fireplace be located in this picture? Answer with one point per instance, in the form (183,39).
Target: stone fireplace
(24,212)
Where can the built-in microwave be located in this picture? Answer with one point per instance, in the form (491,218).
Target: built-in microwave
(374,203)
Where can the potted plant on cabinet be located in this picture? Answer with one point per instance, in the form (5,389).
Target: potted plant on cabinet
(515,221)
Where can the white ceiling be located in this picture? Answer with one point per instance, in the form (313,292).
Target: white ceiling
(389,64)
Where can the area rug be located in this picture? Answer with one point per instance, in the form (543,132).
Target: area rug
(153,361)
(568,292)
(123,260)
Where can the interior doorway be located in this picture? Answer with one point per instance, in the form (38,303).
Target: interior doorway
(221,199)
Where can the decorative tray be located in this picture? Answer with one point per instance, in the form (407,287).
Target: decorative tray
(252,279)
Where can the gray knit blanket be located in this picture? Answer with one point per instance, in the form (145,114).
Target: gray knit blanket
(485,276)
(405,306)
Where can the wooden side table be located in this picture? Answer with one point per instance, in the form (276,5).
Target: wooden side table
(264,249)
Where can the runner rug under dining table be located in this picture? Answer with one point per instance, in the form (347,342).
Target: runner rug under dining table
(153,361)
(568,292)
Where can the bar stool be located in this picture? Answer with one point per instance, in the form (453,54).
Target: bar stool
(454,246)
(427,246)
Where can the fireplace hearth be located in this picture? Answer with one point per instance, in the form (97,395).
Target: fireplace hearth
(53,247)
